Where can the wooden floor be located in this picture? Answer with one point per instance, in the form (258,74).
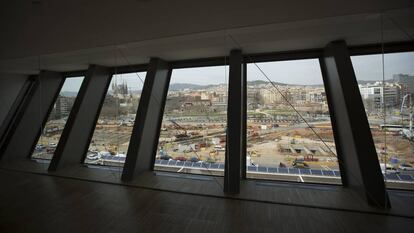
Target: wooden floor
(283,193)
(41,203)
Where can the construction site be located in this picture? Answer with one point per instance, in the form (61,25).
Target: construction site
(267,144)
(284,144)
(393,147)
(49,139)
(192,141)
(111,136)
(194,130)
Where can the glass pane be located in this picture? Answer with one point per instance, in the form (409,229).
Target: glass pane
(56,121)
(113,130)
(289,132)
(393,135)
(193,138)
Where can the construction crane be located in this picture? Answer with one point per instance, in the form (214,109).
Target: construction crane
(179,127)
(408,133)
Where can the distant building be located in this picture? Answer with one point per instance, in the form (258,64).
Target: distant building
(219,102)
(316,96)
(269,95)
(252,94)
(62,107)
(120,89)
(376,95)
(406,80)
(110,107)
(298,94)
(197,102)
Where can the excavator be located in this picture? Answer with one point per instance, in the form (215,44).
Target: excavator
(253,153)
(112,149)
(213,153)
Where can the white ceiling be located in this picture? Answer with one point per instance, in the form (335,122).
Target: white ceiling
(69,35)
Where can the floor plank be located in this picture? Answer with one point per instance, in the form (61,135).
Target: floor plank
(39,203)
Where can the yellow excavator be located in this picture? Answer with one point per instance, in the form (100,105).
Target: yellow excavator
(213,153)
(112,149)
(253,153)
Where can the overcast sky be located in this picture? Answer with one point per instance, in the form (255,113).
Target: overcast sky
(290,72)
(369,67)
(305,72)
(72,84)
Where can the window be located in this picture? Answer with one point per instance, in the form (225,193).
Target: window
(193,132)
(113,130)
(49,138)
(289,132)
(388,102)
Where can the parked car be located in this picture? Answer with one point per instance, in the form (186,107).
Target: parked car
(93,156)
(50,150)
(388,168)
(104,153)
(194,159)
(39,147)
(406,167)
(165,157)
(180,158)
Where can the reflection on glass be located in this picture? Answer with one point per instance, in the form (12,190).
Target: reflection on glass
(193,138)
(47,143)
(391,96)
(113,129)
(280,145)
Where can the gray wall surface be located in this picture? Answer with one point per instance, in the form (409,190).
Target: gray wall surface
(10,86)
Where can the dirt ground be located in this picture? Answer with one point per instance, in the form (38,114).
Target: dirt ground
(266,144)
(397,146)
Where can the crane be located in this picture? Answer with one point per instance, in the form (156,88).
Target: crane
(179,127)
(407,132)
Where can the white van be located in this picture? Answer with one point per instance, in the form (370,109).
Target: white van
(387,168)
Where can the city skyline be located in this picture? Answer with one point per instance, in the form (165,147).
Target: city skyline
(295,72)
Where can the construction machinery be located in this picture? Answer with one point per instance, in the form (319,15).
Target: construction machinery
(182,133)
(300,163)
(253,153)
(213,153)
(112,149)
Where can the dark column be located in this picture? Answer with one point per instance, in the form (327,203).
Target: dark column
(74,142)
(32,115)
(235,108)
(357,156)
(244,123)
(145,134)
(14,113)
